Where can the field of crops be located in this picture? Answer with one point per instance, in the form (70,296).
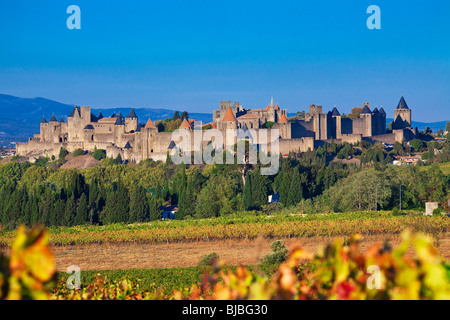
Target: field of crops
(340,271)
(246,227)
(163,281)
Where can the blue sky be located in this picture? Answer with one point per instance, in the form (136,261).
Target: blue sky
(192,54)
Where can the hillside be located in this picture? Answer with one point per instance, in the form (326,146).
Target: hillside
(80,162)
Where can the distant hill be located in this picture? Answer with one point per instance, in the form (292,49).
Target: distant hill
(20,117)
(434,126)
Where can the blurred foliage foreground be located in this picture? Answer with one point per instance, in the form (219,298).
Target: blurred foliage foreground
(413,270)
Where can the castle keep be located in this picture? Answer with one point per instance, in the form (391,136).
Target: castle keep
(135,141)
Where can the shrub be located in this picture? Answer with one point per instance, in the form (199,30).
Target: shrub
(41,161)
(268,124)
(99,154)
(62,153)
(278,255)
(78,152)
(208,259)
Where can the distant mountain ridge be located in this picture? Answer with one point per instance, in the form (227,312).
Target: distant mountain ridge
(20,117)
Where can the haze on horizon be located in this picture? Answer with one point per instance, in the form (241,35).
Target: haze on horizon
(190,55)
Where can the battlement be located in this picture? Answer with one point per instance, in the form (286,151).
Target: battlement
(315,109)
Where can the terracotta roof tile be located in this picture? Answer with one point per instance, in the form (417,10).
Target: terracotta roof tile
(185,125)
(283,118)
(229,116)
(248,116)
(107,120)
(149,124)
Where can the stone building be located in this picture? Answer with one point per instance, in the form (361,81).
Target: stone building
(125,136)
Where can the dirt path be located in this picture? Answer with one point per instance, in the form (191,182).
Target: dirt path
(145,256)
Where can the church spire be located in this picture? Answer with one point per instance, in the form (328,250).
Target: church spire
(271,102)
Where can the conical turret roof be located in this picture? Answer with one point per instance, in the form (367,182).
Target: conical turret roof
(402,104)
(283,118)
(53,118)
(149,124)
(120,121)
(229,116)
(43,120)
(365,110)
(75,110)
(335,112)
(132,114)
(185,125)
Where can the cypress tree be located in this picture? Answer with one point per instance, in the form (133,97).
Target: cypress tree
(186,205)
(283,181)
(181,206)
(26,212)
(118,159)
(158,191)
(82,211)
(154,212)
(14,208)
(34,214)
(59,213)
(109,213)
(93,192)
(168,160)
(259,188)
(295,189)
(123,203)
(248,192)
(70,211)
(189,199)
(139,205)
(46,206)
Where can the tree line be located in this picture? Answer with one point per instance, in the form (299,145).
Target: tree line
(112,192)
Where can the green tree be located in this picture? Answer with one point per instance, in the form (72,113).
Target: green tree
(259,188)
(118,159)
(139,205)
(46,207)
(154,212)
(34,214)
(248,201)
(430,154)
(70,211)
(59,212)
(295,194)
(62,153)
(99,154)
(82,216)
(123,203)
